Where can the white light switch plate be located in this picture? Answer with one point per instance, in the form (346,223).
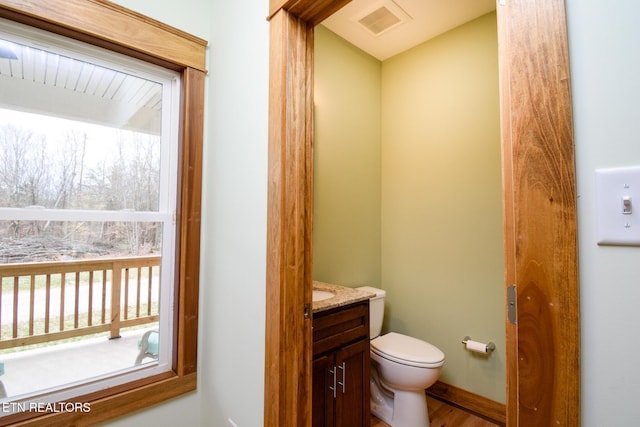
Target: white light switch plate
(613,187)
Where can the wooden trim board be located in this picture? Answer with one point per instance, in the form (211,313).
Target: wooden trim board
(109,25)
(540,221)
(288,345)
(478,405)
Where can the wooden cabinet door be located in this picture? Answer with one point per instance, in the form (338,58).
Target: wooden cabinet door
(340,385)
(322,414)
(353,388)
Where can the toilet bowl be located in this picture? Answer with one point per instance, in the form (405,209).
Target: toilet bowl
(402,367)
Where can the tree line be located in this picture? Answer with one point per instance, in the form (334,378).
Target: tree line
(80,171)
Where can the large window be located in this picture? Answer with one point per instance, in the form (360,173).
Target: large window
(88,183)
(100,178)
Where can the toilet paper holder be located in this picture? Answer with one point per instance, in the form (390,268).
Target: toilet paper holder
(489,347)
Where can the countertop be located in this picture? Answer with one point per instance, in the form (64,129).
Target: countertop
(344,296)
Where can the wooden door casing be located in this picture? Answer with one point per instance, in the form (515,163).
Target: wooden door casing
(543,375)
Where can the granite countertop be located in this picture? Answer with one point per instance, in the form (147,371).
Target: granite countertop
(343,296)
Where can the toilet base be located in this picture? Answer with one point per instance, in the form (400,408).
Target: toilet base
(398,408)
(381,400)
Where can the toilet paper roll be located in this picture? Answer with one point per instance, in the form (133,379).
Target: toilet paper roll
(476,346)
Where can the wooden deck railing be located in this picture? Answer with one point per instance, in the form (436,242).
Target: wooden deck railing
(43,302)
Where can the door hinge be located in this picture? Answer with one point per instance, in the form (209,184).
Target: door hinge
(512,307)
(307,311)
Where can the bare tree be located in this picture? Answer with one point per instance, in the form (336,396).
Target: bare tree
(35,170)
(14,146)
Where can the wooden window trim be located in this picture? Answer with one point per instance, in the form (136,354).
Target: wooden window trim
(107,25)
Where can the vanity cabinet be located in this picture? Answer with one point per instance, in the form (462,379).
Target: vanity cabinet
(341,365)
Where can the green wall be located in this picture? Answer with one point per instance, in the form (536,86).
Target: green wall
(442,238)
(440,208)
(346,242)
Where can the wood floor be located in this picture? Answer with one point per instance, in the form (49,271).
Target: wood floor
(443,415)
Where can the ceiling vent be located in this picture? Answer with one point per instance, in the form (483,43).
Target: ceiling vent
(382,17)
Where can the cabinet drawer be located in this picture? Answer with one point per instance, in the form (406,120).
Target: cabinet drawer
(337,327)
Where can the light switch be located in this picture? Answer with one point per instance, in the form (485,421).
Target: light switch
(618,222)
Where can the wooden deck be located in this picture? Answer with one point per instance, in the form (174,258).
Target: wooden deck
(43,302)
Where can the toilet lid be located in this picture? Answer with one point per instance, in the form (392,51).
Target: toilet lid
(407,350)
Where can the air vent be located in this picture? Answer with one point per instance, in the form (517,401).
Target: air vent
(379,20)
(383,17)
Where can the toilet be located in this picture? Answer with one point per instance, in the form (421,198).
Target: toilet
(402,367)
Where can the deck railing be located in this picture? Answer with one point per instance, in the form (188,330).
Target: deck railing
(43,302)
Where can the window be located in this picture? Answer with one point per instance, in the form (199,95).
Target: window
(88,180)
(116,184)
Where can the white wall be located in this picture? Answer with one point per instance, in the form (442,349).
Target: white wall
(233,258)
(605,72)
(234,237)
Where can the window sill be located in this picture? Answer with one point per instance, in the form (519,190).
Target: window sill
(132,397)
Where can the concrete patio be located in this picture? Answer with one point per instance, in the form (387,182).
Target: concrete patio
(53,366)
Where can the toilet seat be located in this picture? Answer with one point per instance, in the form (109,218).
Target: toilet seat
(407,350)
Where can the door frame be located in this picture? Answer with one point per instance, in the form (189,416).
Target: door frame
(540,211)
(539,196)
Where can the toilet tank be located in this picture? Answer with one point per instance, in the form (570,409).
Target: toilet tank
(376,310)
